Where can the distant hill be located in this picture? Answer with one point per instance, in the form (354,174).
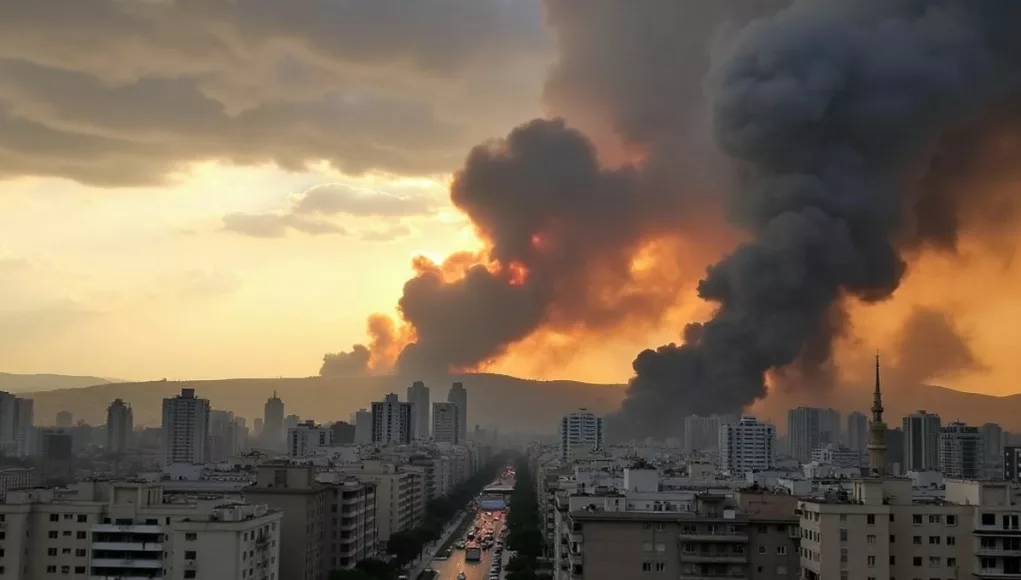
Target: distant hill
(13,383)
(507,402)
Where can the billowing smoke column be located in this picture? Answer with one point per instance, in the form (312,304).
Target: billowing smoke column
(824,121)
(830,111)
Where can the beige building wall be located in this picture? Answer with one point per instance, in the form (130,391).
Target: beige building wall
(304,503)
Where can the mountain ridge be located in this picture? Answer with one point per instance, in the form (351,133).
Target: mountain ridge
(507,402)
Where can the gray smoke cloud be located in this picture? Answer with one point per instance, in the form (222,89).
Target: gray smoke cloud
(346,364)
(828,110)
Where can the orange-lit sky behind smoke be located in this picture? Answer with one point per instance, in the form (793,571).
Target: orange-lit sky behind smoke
(134,245)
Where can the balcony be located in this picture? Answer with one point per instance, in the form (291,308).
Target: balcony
(128,546)
(707,536)
(713,558)
(126,529)
(713,576)
(125,563)
(998,552)
(997,574)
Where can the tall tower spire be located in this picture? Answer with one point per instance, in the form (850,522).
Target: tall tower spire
(877,431)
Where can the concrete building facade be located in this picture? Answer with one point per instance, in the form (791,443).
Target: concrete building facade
(391,421)
(580,432)
(418,398)
(446,425)
(921,442)
(459,396)
(185,428)
(120,424)
(747,446)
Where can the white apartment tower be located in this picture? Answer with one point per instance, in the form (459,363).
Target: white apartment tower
(185,428)
(746,446)
(961,453)
(581,431)
(921,442)
(459,396)
(809,428)
(418,396)
(391,421)
(119,425)
(446,428)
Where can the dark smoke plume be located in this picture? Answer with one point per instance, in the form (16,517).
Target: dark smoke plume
(930,346)
(828,123)
(828,110)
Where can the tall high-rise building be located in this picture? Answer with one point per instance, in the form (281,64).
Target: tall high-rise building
(273,425)
(895,451)
(961,452)
(185,428)
(391,421)
(804,431)
(746,446)
(16,421)
(993,442)
(921,442)
(446,428)
(25,433)
(703,433)
(120,423)
(581,431)
(830,430)
(857,432)
(222,435)
(363,426)
(65,419)
(459,396)
(418,396)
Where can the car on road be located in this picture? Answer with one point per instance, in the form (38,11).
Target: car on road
(459,545)
(461,576)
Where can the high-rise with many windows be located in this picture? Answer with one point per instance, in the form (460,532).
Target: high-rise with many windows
(459,396)
(921,442)
(746,446)
(119,425)
(185,428)
(446,428)
(581,431)
(418,397)
(391,421)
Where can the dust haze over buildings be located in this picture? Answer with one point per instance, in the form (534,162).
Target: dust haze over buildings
(821,121)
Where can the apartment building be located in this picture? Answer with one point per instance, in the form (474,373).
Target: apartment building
(746,446)
(12,478)
(837,454)
(459,396)
(418,398)
(400,494)
(293,490)
(753,536)
(446,428)
(185,428)
(857,436)
(880,531)
(119,425)
(391,421)
(581,431)
(307,438)
(703,433)
(961,452)
(351,533)
(921,442)
(102,529)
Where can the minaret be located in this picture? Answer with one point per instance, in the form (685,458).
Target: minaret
(877,432)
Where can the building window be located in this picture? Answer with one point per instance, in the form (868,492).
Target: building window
(56,517)
(80,553)
(843,535)
(660,527)
(81,535)
(893,560)
(935,519)
(951,520)
(916,561)
(916,540)
(934,561)
(870,539)
(51,551)
(870,519)
(843,555)
(190,537)
(893,538)
(843,517)
(82,519)
(762,549)
(65,569)
(646,566)
(189,573)
(53,535)
(781,550)
(781,569)
(934,540)
(951,562)
(872,561)
(988,519)
(51,569)
(79,569)
(190,555)
(660,566)
(951,541)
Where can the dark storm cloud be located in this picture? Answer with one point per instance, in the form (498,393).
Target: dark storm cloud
(114,93)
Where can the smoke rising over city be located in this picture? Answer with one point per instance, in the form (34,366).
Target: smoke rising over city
(824,130)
